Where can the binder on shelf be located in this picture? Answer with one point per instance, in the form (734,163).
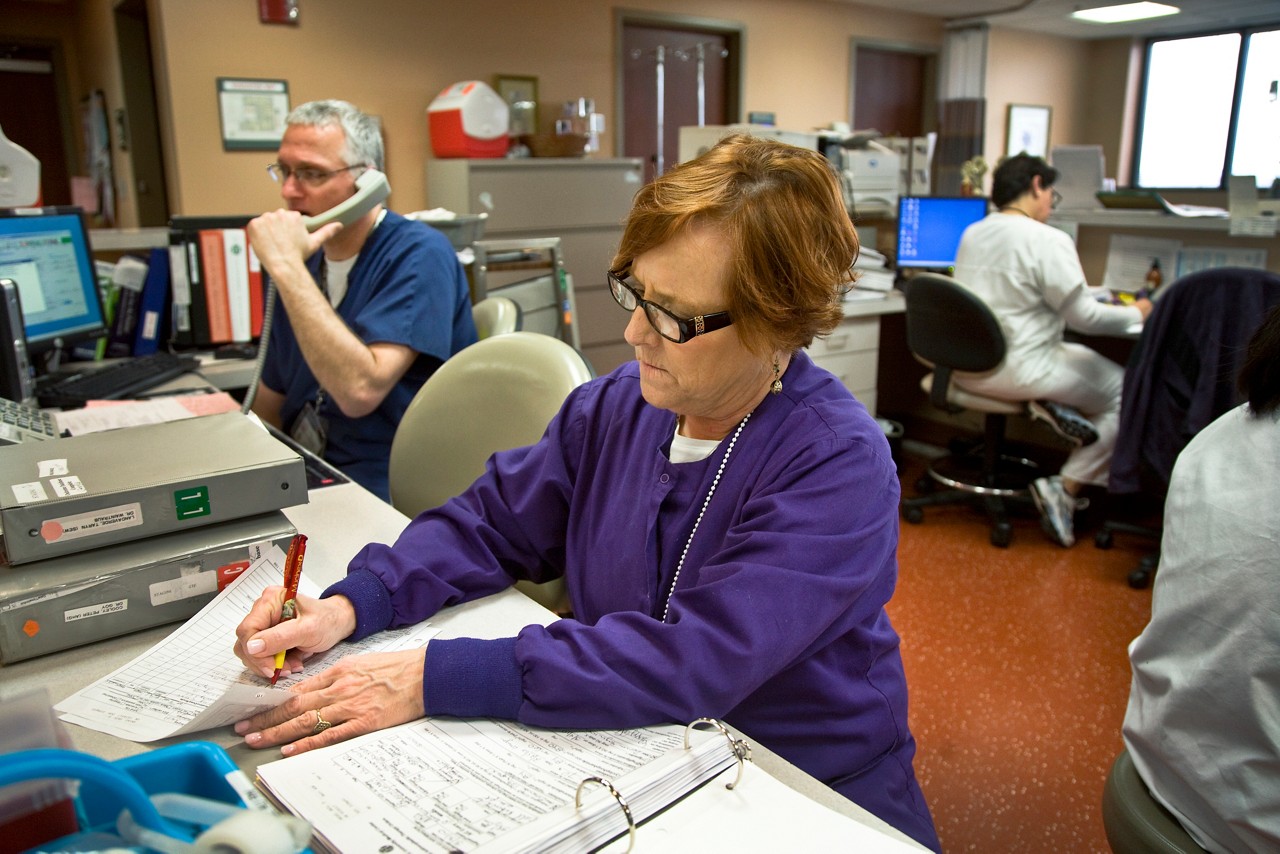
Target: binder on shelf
(256,304)
(213,266)
(212,269)
(499,785)
(236,262)
(153,316)
(99,489)
(128,280)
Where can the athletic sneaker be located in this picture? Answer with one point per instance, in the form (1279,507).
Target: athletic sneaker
(1065,421)
(1057,509)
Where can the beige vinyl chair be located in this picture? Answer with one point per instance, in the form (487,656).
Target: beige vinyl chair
(499,393)
(495,316)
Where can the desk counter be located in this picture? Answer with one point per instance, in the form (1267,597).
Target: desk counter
(327,520)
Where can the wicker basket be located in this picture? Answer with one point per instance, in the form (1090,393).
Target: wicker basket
(556,145)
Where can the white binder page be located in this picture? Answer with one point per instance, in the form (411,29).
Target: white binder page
(192,681)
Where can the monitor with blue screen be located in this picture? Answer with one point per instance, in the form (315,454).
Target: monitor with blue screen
(46,251)
(929,229)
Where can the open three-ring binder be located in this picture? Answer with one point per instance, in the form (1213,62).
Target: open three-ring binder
(485,785)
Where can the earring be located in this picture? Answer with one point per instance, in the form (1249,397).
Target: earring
(777,378)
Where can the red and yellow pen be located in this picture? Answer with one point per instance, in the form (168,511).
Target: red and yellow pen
(292,575)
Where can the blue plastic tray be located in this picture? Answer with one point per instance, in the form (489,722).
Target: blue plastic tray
(198,768)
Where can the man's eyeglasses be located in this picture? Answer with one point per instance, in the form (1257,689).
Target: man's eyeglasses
(307,176)
(1055,199)
(663,321)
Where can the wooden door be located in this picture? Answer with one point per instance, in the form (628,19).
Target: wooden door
(890,91)
(655,54)
(31,117)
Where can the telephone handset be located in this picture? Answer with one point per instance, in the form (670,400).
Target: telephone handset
(371,188)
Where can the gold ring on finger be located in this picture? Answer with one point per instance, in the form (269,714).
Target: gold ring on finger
(321,724)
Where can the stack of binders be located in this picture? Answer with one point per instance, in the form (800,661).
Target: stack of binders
(109,533)
(216,280)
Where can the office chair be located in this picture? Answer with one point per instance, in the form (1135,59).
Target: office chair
(950,329)
(499,393)
(1181,376)
(496,316)
(1134,821)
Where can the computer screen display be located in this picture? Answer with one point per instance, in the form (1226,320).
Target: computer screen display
(929,228)
(46,251)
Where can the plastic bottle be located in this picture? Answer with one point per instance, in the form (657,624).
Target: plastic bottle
(1154,276)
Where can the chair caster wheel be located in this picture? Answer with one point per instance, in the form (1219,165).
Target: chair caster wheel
(914,515)
(1140,578)
(1103,539)
(1002,535)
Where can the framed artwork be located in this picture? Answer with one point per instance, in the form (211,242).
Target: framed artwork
(1028,130)
(252,113)
(522,90)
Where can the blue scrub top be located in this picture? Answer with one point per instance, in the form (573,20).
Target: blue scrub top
(406,287)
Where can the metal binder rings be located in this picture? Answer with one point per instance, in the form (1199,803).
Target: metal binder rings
(740,748)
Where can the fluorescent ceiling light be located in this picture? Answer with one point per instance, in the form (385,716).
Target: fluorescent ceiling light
(1124,12)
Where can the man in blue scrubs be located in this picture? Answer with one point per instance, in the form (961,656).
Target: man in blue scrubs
(359,326)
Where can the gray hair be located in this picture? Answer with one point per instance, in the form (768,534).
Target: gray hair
(363,131)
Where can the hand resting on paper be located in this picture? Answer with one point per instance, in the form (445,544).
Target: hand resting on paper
(357,695)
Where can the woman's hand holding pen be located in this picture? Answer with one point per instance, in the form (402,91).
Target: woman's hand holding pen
(359,694)
(319,624)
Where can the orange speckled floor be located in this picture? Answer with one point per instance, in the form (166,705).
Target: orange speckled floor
(1018,676)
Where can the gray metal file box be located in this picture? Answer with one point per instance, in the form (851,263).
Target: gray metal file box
(63,602)
(85,492)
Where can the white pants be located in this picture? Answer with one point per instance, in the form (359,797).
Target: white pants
(1081,378)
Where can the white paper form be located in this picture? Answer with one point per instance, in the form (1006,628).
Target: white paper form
(1129,259)
(192,680)
(440,785)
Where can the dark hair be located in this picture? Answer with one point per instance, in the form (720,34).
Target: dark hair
(1013,177)
(781,208)
(1259,378)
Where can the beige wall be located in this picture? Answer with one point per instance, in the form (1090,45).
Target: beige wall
(392,57)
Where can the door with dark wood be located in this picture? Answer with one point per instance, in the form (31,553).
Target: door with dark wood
(890,91)
(695,69)
(31,117)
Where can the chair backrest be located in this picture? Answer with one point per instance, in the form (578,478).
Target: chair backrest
(951,329)
(499,393)
(496,316)
(1182,373)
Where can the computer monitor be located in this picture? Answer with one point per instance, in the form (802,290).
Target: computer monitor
(46,251)
(929,229)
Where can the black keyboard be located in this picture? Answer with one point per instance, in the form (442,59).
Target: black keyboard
(122,379)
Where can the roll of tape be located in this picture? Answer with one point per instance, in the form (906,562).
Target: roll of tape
(253,832)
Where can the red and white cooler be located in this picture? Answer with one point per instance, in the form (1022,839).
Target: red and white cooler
(468,119)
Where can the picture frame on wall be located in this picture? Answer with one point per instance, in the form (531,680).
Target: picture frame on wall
(520,91)
(1027,130)
(252,113)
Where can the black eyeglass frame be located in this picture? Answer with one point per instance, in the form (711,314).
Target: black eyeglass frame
(315,177)
(690,328)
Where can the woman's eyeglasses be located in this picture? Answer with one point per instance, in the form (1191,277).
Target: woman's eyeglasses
(663,321)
